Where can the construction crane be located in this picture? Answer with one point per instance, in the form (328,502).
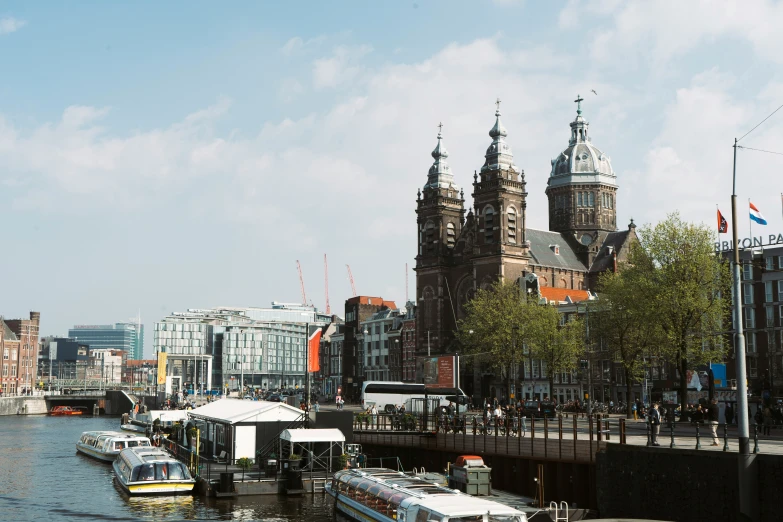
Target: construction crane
(350,278)
(326,285)
(301,282)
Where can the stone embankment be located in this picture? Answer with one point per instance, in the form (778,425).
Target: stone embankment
(35,405)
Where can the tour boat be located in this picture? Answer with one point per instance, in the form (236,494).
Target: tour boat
(106,445)
(67,410)
(150,471)
(385,495)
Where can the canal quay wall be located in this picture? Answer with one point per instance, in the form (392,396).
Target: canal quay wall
(683,485)
(35,405)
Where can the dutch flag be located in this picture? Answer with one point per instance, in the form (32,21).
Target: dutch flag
(755,215)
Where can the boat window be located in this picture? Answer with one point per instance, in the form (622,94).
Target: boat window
(118,445)
(144,443)
(503,518)
(175,472)
(161,471)
(133,443)
(468,518)
(146,472)
(423,515)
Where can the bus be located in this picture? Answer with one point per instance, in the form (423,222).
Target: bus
(385,395)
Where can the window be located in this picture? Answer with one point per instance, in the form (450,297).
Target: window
(451,236)
(591,199)
(5,354)
(751,341)
(770,263)
(512,225)
(429,237)
(780,261)
(770,315)
(768,292)
(527,369)
(747,271)
(750,317)
(489,224)
(579,199)
(752,367)
(780,290)
(13,355)
(747,292)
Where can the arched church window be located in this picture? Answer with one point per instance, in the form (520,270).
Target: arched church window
(578,199)
(591,199)
(512,225)
(489,224)
(451,235)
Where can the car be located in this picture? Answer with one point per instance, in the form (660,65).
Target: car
(275,398)
(539,409)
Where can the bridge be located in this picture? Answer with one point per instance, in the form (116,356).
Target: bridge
(107,402)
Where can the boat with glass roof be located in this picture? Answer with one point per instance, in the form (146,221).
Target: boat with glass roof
(106,445)
(150,471)
(385,495)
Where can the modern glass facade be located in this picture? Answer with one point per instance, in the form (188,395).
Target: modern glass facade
(128,337)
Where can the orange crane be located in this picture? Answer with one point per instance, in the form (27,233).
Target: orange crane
(326,285)
(301,282)
(350,278)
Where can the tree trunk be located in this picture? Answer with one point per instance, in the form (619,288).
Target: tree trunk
(628,402)
(683,383)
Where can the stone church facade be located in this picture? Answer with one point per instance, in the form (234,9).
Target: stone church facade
(461,250)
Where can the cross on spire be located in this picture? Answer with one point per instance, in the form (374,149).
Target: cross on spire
(497,105)
(440,128)
(578,102)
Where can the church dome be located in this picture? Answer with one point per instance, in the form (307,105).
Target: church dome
(439,175)
(581,161)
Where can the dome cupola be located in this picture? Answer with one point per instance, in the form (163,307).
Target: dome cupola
(440,175)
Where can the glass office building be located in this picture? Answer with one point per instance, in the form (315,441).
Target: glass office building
(128,337)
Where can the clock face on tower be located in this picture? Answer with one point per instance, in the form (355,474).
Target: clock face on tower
(586,239)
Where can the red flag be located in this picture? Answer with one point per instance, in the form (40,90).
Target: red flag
(313,345)
(723,225)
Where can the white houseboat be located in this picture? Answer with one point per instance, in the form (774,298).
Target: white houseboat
(385,495)
(151,471)
(106,445)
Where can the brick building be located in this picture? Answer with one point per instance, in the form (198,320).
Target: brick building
(19,346)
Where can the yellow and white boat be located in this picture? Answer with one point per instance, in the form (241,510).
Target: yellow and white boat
(151,471)
(106,445)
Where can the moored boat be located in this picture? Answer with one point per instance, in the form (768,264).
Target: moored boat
(67,410)
(151,471)
(385,495)
(106,445)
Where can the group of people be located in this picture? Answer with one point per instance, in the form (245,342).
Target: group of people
(711,415)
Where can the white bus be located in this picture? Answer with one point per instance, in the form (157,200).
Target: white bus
(385,395)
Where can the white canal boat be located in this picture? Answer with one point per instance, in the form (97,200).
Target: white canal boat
(106,445)
(385,495)
(151,471)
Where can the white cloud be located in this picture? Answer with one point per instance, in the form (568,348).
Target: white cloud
(10,25)
(341,67)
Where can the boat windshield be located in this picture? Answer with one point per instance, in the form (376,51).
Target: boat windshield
(504,518)
(144,472)
(118,445)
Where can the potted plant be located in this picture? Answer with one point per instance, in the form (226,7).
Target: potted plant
(245,464)
(294,461)
(344,459)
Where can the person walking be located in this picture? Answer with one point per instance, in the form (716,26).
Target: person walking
(713,416)
(635,413)
(655,425)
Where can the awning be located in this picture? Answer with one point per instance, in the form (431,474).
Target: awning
(305,435)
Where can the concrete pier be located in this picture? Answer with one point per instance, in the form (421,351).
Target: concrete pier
(34,405)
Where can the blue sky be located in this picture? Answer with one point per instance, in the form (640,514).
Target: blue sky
(155,157)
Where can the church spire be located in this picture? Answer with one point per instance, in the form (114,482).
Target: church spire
(579,125)
(439,175)
(499,155)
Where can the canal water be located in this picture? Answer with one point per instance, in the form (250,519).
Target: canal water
(43,478)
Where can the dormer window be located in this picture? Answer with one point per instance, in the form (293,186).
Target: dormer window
(555,249)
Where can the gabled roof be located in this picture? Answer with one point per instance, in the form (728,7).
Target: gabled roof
(541,250)
(233,411)
(564,295)
(8,334)
(604,260)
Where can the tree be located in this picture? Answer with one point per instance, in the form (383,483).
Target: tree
(500,321)
(689,291)
(624,320)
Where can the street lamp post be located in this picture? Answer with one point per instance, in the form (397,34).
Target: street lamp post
(514,372)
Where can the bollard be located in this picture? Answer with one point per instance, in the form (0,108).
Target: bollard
(698,440)
(622,431)
(755,438)
(726,437)
(671,428)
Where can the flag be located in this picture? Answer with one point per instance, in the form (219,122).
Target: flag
(755,215)
(723,225)
(313,345)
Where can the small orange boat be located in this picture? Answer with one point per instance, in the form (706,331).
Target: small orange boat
(67,410)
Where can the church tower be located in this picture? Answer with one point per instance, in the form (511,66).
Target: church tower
(582,189)
(499,200)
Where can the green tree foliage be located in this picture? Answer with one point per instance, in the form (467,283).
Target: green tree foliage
(689,287)
(507,328)
(623,320)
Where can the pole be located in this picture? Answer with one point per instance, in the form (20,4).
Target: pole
(459,390)
(307,368)
(428,343)
(589,362)
(743,432)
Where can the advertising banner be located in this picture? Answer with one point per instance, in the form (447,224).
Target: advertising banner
(162,367)
(436,371)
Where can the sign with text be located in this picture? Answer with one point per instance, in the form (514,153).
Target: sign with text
(750,242)
(436,371)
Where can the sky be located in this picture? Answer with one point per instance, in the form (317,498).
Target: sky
(156,157)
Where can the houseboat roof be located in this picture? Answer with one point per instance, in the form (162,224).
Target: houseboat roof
(313,435)
(233,411)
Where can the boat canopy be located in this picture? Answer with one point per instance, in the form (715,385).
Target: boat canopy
(307,435)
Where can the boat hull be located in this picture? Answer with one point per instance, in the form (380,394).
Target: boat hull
(99,455)
(354,509)
(168,487)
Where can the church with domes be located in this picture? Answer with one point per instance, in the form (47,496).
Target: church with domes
(462,249)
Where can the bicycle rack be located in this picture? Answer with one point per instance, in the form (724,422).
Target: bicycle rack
(563,506)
